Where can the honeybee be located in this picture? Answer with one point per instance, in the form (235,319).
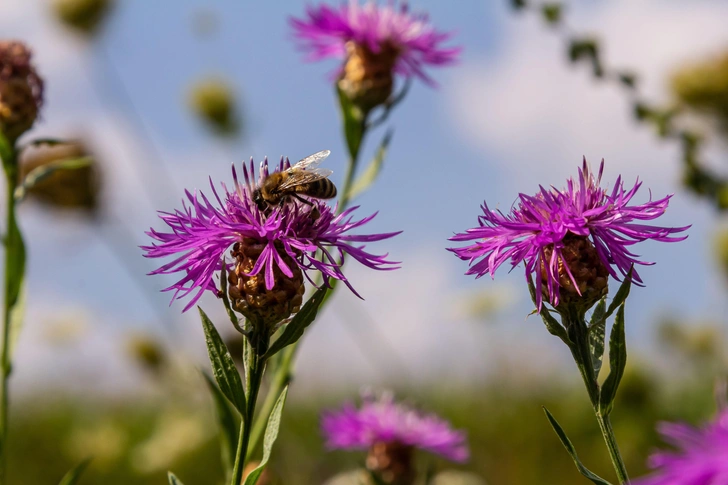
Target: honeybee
(304,178)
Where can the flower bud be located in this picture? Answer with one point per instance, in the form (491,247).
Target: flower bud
(84,16)
(21,90)
(66,188)
(248,294)
(578,257)
(367,78)
(213,102)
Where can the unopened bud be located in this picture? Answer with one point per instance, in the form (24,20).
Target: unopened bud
(21,90)
(84,16)
(214,103)
(67,188)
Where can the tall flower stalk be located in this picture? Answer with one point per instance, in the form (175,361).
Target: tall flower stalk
(275,249)
(573,240)
(378,47)
(21,97)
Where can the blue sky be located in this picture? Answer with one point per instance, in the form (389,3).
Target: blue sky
(511,115)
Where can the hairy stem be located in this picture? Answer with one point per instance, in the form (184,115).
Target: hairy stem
(579,335)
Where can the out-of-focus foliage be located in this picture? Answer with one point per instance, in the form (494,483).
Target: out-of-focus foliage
(511,441)
(721,249)
(213,101)
(76,188)
(84,16)
(703,86)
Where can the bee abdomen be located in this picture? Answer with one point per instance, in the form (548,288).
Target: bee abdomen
(322,189)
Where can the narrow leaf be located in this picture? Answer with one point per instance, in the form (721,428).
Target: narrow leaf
(552,325)
(46,141)
(271,434)
(622,294)
(572,451)
(294,330)
(173,480)
(44,171)
(74,474)
(227,422)
(17,313)
(370,174)
(617,362)
(353,124)
(6,150)
(597,330)
(223,367)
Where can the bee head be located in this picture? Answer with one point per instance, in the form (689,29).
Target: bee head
(259,200)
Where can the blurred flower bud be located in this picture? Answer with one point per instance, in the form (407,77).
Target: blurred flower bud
(704,86)
(214,103)
(21,90)
(146,351)
(67,188)
(83,16)
(721,249)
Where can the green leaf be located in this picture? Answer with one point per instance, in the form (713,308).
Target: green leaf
(223,367)
(226,420)
(74,474)
(552,325)
(353,123)
(6,150)
(271,434)
(44,171)
(597,329)
(370,174)
(294,330)
(622,294)
(572,451)
(47,141)
(14,272)
(617,363)
(173,480)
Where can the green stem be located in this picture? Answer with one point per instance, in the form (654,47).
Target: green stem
(254,369)
(579,335)
(351,169)
(283,373)
(14,258)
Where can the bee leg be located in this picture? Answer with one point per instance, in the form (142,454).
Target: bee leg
(298,197)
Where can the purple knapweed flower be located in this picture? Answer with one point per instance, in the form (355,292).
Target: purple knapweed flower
(327,30)
(701,457)
(379,420)
(271,246)
(571,238)
(375,43)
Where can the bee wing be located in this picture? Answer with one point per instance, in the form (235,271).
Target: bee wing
(300,177)
(311,161)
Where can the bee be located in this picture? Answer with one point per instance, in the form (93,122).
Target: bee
(304,178)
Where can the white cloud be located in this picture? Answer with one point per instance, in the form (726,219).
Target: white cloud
(527,106)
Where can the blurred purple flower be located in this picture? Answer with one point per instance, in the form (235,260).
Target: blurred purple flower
(382,420)
(326,31)
(539,225)
(202,231)
(701,457)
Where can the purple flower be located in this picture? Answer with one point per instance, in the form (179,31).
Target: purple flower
(310,236)
(701,457)
(538,230)
(327,30)
(382,420)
